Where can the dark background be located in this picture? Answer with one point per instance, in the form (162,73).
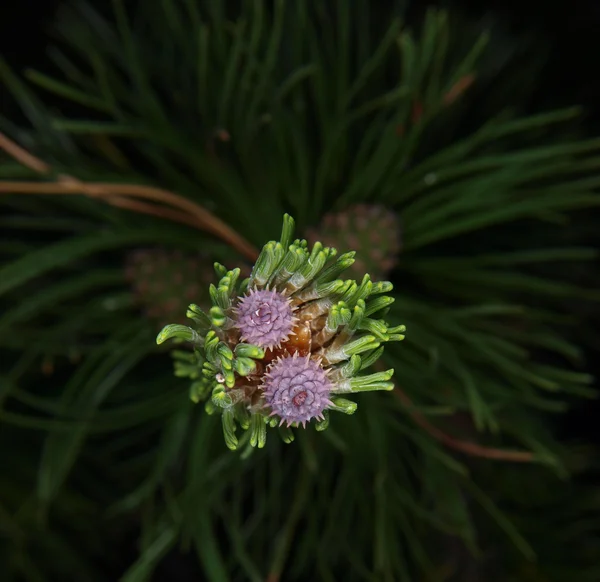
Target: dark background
(568,27)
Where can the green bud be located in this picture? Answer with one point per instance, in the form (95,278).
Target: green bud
(291,262)
(242,416)
(220,270)
(217,316)
(339,314)
(243,286)
(322,425)
(262,268)
(369,383)
(229,429)
(344,352)
(334,270)
(336,287)
(315,263)
(277,256)
(349,294)
(286,434)
(249,351)
(220,398)
(349,368)
(223,293)
(258,431)
(362,291)
(181,332)
(212,290)
(316,250)
(378,304)
(229,377)
(224,351)
(381,287)
(211,342)
(320,291)
(287,231)
(375,327)
(234,276)
(343,405)
(244,366)
(209,370)
(357,316)
(370,358)
(396,334)
(397,329)
(194,312)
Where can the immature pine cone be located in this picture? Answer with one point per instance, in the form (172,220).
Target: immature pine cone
(371,230)
(280,347)
(165,281)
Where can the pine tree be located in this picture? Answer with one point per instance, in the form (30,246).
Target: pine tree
(192,127)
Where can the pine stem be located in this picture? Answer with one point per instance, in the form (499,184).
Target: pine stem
(467,447)
(186,211)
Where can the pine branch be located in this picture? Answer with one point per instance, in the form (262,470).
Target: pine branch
(466,447)
(201,218)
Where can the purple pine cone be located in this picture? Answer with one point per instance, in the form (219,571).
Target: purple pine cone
(265,318)
(296,389)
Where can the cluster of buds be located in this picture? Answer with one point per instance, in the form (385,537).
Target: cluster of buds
(164,281)
(285,346)
(371,230)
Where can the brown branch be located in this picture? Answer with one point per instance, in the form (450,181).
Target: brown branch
(204,219)
(467,447)
(153,210)
(23,156)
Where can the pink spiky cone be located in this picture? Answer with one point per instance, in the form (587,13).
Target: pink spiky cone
(372,230)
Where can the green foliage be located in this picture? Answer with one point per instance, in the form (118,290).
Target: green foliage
(301,107)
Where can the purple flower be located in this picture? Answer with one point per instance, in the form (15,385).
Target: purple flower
(265,318)
(296,389)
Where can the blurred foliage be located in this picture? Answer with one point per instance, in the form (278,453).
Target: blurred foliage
(251,110)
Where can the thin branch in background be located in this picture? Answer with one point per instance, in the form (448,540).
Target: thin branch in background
(187,212)
(153,210)
(467,447)
(23,156)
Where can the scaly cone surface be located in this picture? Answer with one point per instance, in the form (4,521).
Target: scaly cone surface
(371,230)
(164,282)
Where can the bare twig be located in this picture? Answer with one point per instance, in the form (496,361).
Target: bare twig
(23,156)
(195,215)
(467,447)
(152,209)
